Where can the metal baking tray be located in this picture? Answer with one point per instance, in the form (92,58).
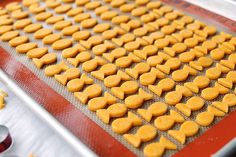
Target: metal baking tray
(78,145)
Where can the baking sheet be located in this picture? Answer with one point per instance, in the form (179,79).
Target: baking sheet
(222,7)
(69,96)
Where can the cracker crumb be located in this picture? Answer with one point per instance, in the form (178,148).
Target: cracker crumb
(3,93)
(31,155)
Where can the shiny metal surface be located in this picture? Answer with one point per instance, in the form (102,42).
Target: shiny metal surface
(226,8)
(5,139)
(229,150)
(3,133)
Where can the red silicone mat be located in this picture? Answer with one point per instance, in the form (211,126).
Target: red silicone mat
(92,134)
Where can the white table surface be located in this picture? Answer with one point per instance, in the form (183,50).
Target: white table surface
(32,135)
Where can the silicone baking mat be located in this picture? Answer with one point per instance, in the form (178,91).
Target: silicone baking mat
(87,127)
